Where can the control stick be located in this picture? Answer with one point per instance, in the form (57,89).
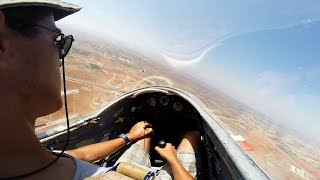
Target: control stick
(162,144)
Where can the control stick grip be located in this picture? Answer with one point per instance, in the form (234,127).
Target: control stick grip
(162,144)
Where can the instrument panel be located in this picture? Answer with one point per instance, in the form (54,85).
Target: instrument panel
(164,102)
(170,115)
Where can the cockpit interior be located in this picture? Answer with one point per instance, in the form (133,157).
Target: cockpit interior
(170,116)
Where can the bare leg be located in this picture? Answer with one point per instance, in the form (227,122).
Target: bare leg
(187,149)
(190,142)
(145,144)
(138,153)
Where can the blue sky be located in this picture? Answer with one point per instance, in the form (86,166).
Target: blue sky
(265,54)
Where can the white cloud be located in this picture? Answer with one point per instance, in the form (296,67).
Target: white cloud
(183,63)
(313,73)
(265,91)
(297,111)
(272,81)
(306,21)
(294,111)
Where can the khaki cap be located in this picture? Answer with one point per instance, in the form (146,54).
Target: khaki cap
(60,9)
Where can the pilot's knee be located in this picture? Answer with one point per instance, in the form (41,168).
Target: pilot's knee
(192,135)
(190,142)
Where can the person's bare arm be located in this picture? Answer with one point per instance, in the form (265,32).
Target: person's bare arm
(94,152)
(169,153)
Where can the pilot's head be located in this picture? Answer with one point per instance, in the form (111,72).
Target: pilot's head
(30,56)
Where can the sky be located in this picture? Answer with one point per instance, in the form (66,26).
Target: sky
(265,54)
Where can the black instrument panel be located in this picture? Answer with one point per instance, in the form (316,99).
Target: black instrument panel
(170,116)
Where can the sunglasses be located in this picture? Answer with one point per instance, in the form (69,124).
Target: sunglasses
(63,42)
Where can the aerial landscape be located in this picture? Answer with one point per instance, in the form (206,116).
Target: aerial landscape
(98,72)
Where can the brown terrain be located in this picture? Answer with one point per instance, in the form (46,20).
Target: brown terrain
(99,71)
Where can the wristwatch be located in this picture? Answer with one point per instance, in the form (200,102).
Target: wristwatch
(125,138)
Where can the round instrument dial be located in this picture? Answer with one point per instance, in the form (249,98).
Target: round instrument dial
(164,100)
(152,101)
(178,106)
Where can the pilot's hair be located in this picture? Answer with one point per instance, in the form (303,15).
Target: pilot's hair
(23,19)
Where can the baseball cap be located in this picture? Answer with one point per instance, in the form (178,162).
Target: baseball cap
(60,8)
